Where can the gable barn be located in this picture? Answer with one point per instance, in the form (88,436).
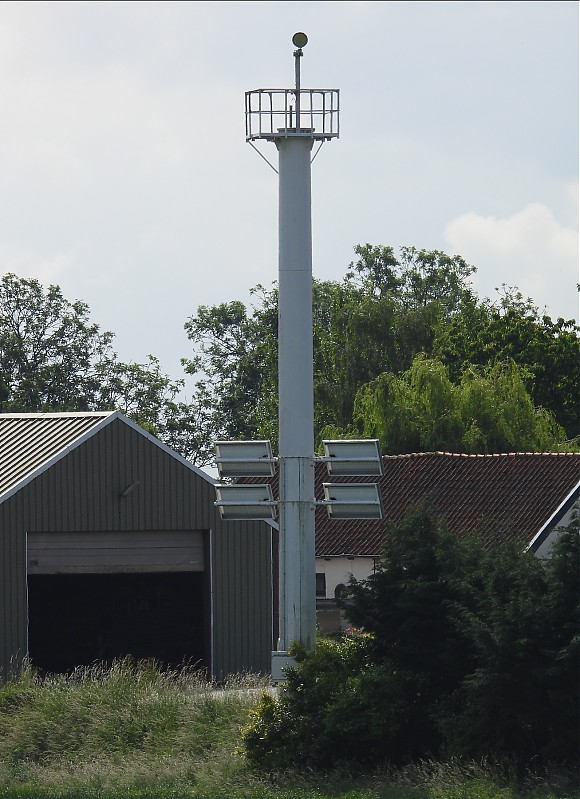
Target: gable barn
(110,544)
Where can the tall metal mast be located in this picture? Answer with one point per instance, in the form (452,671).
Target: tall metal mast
(295,385)
(294,119)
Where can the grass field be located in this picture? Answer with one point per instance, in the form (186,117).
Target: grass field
(133,733)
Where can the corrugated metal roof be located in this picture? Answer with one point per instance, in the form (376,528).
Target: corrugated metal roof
(506,497)
(29,441)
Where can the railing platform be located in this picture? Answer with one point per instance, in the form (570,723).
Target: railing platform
(271,114)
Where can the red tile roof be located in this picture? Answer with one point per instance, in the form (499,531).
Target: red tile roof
(497,497)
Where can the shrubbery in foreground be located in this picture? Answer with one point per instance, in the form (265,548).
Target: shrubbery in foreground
(132,732)
(105,731)
(466,653)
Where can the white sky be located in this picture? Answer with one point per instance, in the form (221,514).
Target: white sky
(126,179)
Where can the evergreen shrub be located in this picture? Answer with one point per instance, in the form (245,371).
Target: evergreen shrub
(465,653)
(336,707)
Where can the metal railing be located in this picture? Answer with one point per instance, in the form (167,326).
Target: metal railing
(271,114)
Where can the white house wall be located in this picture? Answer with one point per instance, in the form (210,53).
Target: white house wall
(339,570)
(545,548)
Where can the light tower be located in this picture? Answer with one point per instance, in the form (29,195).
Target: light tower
(294,119)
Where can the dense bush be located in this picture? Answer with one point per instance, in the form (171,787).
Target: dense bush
(521,696)
(465,653)
(338,706)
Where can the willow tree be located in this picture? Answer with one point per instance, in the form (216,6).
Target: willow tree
(422,410)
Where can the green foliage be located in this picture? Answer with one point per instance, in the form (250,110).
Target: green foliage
(466,653)
(53,358)
(236,364)
(331,711)
(128,726)
(562,615)
(368,330)
(383,313)
(512,328)
(522,697)
(405,603)
(427,780)
(51,355)
(419,279)
(422,410)
(134,733)
(386,311)
(128,708)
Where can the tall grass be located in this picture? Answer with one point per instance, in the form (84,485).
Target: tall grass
(132,731)
(127,726)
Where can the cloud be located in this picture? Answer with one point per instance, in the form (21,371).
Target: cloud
(538,253)
(29,263)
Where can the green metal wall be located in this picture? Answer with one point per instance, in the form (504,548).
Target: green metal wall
(81,492)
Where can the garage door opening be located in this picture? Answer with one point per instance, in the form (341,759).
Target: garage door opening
(98,596)
(79,619)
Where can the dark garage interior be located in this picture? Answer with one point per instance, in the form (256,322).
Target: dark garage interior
(79,619)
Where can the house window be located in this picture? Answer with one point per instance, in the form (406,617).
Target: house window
(320,584)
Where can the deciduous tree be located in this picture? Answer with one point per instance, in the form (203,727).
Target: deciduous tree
(54,358)
(513,328)
(51,355)
(388,309)
(422,410)
(376,319)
